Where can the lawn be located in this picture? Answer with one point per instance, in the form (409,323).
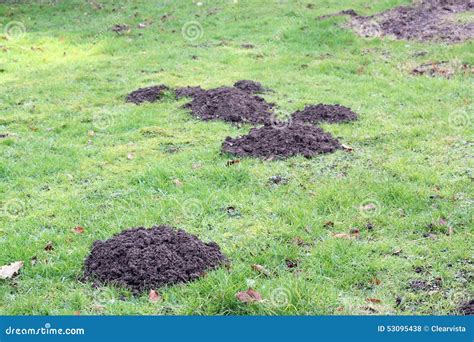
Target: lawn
(74,153)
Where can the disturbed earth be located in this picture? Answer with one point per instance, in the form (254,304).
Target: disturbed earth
(230,104)
(428,20)
(148,94)
(278,142)
(324,113)
(143,259)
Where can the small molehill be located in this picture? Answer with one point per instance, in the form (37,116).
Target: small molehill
(148,94)
(231,105)
(324,113)
(281,141)
(143,259)
(188,91)
(249,86)
(426,20)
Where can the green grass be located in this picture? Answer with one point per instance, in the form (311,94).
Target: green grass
(65,163)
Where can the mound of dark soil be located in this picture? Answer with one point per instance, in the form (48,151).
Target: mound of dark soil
(249,86)
(467,308)
(143,259)
(324,113)
(230,104)
(428,20)
(278,142)
(148,94)
(188,91)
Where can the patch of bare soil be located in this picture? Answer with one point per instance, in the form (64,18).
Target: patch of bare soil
(442,69)
(279,142)
(144,259)
(231,105)
(428,20)
(249,86)
(148,94)
(324,113)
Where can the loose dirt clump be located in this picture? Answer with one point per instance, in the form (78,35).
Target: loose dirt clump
(143,259)
(442,69)
(188,91)
(467,308)
(249,86)
(279,142)
(324,113)
(149,94)
(230,104)
(428,20)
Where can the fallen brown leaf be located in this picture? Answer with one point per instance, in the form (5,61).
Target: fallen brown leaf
(11,270)
(347,148)
(78,230)
(232,162)
(154,296)
(130,156)
(177,182)
(374,300)
(261,269)
(375,281)
(248,296)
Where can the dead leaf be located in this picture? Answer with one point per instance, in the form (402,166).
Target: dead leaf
(232,162)
(33,260)
(261,269)
(374,300)
(177,182)
(354,232)
(91,133)
(78,230)
(248,296)
(450,231)
(328,224)
(130,156)
(154,296)
(397,251)
(77,313)
(49,246)
(11,270)
(196,166)
(347,148)
(375,281)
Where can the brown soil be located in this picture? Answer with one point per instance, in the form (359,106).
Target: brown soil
(324,113)
(143,259)
(467,308)
(428,20)
(149,94)
(249,86)
(230,104)
(278,142)
(188,91)
(442,69)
